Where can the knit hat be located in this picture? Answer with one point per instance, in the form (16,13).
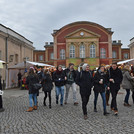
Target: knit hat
(84,66)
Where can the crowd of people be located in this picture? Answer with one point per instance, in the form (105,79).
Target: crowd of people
(105,80)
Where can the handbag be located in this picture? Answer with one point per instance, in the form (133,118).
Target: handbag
(37,86)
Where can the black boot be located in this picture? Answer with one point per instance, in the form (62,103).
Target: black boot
(95,109)
(105,112)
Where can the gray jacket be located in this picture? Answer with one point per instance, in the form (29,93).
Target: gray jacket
(128,81)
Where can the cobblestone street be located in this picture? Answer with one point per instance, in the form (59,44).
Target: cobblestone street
(62,120)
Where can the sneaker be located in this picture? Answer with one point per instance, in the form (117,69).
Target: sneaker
(76,103)
(65,103)
(61,104)
(115,112)
(50,106)
(56,101)
(85,117)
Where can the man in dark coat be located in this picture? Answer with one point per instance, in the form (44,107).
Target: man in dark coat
(84,80)
(1,103)
(115,78)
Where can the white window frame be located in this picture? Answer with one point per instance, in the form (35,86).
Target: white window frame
(125,56)
(102,53)
(62,54)
(92,51)
(40,57)
(52,56)
(82,50)
(72,51)
(114,54)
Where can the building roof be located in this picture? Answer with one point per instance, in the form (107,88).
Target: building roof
(12,33)
(115,42)
(108,30)
(49,44)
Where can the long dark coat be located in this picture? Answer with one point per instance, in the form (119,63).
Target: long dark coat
(30,80)
(47,83)
(117,76)
(100,87)
(85,81)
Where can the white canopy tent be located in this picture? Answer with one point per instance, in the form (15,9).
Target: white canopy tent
(12,78)
(28,64)
(130,61)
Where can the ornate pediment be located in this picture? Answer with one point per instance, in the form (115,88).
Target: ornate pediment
(82,33)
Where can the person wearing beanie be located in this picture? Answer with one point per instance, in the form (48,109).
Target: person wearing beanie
(59,80)
(85,81)
(70,73)
(100,83)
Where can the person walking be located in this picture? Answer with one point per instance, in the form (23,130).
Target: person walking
(127,83)
(70,73)
(30,80)
(1,102)
(59,80)
(107,93)
(115,80)
(47,86)
(85,81)
(100,83)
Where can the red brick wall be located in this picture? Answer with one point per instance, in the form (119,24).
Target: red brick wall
(123,51)
(50,50)
(36,55)
(64,32)
(59,47)
(116,49)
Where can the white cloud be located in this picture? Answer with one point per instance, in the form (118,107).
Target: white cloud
(36,19)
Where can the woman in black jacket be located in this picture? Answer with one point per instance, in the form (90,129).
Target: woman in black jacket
(84,80)
(30,80)
(47,86)
(100,83)
(59,80)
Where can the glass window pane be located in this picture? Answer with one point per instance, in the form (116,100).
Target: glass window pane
(62,54)
(82,50)
(102,53)
(72,51)
(92,51)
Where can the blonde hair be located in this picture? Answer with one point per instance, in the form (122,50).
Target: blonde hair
(127,67)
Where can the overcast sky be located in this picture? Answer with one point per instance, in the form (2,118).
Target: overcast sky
(36,19)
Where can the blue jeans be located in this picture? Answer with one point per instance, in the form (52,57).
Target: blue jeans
(127,96)
(32,97)
(59,90)
(103,98)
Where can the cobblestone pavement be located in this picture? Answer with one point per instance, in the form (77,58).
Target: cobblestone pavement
(62,120)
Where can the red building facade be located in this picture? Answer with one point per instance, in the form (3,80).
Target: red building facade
(81,42)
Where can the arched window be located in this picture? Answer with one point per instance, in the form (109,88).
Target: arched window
(114,55)
(62,54)
(72,51)
(92,51)
(102,53)
(82,50)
